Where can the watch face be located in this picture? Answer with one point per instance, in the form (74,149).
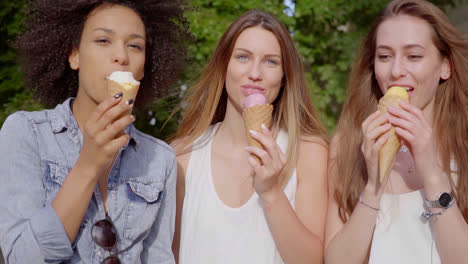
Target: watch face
(445,199)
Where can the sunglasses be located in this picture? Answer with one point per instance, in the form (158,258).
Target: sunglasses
(104,235)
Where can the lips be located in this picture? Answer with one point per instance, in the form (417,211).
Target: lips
(252,89)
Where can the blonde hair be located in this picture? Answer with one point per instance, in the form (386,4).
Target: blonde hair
(450,111)
(293,109)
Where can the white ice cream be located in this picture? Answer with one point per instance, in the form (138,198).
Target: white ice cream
(123,78)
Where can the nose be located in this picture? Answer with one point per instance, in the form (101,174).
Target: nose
(399,68)
(120,54)
(255,73)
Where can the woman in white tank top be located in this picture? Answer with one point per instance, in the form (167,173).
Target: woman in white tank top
(418,212)
(232,208)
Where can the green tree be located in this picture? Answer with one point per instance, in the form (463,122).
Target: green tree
(13,97)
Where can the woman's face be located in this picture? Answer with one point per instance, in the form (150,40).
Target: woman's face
(255,66)
(113,39)
(407,56)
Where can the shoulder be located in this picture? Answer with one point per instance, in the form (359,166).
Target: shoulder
(312,158)
(312,145)
(22,122)
(26,117)
(183,151)
(149,142)
(19,132)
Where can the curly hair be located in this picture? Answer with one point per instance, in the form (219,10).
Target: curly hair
(54,28)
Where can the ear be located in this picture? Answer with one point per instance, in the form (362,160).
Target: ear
(74,59)
(446,70)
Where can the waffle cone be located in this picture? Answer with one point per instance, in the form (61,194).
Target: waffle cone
(254,117)
(389,150)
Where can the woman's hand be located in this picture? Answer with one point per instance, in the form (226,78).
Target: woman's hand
(374,130)
(102,133)
(411,125)
(266,179)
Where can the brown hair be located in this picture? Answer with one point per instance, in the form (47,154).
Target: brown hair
(293,109)
(349,174)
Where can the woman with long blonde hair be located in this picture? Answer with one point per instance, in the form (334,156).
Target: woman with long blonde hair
(230,207)
(419,213)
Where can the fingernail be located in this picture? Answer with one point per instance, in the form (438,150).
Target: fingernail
(253,132)
(264,127)
(131,101)
(118,95)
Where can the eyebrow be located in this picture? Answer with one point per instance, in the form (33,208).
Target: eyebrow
(267,55)
(409,46)
(110,31)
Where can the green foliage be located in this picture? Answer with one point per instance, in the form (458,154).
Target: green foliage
(327,35)
(12,94)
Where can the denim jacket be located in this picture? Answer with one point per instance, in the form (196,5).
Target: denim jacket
(38,150)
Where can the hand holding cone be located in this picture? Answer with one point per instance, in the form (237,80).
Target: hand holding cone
(256,112)
(389,150)
(122,82)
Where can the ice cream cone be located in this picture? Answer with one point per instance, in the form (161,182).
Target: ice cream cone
(254,117)
(389,150)
(129,90)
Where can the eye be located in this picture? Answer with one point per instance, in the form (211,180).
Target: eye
(136,46)
(414,57)
(271,62)
(102,41)
(383,57)
(242,57)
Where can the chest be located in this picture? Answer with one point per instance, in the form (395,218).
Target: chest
(403,177)
(232,176)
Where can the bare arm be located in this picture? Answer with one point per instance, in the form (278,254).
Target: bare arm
(350,242)
(450,228)
(182,163)
(302,240)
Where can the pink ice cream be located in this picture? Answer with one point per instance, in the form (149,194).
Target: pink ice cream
(254,99)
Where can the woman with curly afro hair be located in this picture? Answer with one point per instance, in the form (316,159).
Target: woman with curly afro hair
(83,185)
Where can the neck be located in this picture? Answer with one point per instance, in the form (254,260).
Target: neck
(83,106)
(428,111)
(232,129)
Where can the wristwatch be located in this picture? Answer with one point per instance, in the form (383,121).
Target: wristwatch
(443,201)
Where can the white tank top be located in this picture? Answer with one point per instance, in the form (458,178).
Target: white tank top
(401,235)
(212,232)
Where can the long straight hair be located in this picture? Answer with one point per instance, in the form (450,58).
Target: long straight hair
(293,109)
(349,174)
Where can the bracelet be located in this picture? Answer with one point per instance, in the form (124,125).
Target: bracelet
(427,215)
(368,206)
